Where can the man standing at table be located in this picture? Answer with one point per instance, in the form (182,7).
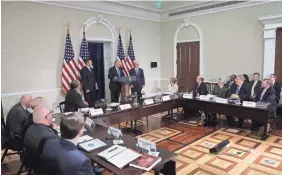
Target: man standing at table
(137,86)
(88,80)
(115,72)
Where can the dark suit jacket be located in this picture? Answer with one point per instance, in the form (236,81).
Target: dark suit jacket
(140,79)
(269,96)
(257,87)
(227,84)
(18,119)
(244,92)
(73,101)
(112,74)
(88,79)
(202,89)
(277,88)
(221,92)
(61,157)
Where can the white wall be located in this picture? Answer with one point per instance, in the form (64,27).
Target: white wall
(233,40)
(33,40)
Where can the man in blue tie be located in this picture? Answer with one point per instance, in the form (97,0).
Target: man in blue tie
(241,92)
(115,87)
(137,86)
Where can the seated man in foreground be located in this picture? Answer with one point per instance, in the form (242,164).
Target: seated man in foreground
(61,156)
(40,129)
(239,92)
(73,98)
(266,94)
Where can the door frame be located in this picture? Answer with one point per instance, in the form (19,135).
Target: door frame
(103,40)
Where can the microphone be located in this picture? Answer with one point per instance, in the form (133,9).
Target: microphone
(109,137)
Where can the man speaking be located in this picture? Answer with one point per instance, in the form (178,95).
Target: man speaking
(137,86)
(115,87)
(88,81)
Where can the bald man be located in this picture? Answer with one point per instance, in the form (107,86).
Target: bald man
(137,86)
(18,117)
(40,129)
(115,87)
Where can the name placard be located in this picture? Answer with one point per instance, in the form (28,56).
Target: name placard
(125,106)
(149,102)
(221,100)
(166,98)
(187,96)
(204,97)
(88,122)
(249,104)
(94,112)
(114,132)
(84,109)
(146,144)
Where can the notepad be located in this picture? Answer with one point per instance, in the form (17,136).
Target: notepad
(119,156)
(91,145)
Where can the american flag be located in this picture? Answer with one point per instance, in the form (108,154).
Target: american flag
(120,52)
(69,70)
(84,54)
(130,55)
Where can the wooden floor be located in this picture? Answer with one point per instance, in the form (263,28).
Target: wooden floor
(178,138)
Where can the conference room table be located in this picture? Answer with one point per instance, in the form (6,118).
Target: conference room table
(117,116)
(100,132)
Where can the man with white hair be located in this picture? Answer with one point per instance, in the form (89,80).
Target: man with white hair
(39,130)
(240,92)
(137,86)
(220,90)
(201,87)
(19,117)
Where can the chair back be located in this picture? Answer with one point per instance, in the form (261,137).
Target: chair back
(62,106)
(14,142)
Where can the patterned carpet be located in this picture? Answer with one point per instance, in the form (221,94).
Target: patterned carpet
(243,156)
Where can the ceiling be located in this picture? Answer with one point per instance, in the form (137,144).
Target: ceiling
(151,5)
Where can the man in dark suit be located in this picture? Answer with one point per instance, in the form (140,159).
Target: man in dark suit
(61,156)
(240,92)
(231,82)
(201,87)
(18,118)
(255,85)
(115,87)
(137,86)
(88,80)
(73,98)
(266,94)
(39,130)
(276,86)
(220,90)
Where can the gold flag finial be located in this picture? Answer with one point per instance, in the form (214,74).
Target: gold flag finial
(68,27)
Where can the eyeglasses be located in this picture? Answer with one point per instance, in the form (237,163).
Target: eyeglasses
(48,114)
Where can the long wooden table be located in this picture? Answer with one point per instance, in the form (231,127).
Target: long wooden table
(100,132)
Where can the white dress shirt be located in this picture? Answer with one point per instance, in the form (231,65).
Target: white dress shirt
(253,88)
(173,88)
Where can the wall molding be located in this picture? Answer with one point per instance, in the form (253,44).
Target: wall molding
(186,23)
(30,92)
(271,23)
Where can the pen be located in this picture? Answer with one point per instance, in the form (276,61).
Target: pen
(113,149)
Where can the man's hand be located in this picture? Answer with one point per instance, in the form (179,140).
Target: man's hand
(131,86)
(87,91)
(234,96)
(54,126)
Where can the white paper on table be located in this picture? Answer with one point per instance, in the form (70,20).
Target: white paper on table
(84,138)
(125,106)
(92,144)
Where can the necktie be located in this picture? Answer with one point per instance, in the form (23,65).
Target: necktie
(118,71)
(230,84)
(238,89)
(137,71)
(262,94)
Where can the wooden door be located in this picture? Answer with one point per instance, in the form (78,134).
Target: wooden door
(278,55)
(188,63)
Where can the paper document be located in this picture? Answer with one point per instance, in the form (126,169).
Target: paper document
(92,145)
(112,151)
(84,138)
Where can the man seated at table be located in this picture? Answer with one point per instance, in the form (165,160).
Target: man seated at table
(61,156)
(231,82)
(40,129)
(201,87)
(240,92)
(18,117)
(73,99)
(219,91)
(266,94)
(276,86)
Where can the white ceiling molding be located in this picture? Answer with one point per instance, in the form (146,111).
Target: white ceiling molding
(127,9)
(271,23)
